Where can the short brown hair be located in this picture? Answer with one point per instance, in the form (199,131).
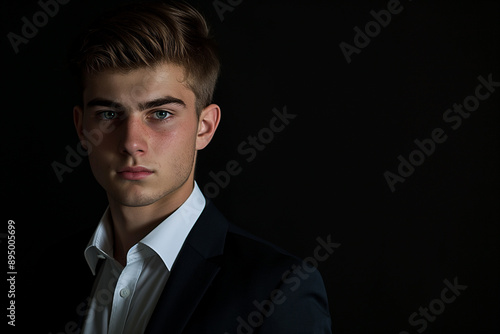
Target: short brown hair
(146,34)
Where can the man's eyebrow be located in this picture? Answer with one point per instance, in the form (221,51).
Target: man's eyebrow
(98,102)
(160,102)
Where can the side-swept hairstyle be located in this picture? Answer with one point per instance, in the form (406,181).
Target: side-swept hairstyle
(145,35)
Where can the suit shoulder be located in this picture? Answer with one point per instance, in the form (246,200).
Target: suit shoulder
(238,244)
(248,247)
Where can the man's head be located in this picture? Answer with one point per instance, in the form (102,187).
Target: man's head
(147,74)
(145,35)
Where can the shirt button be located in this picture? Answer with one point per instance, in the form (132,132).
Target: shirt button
(124,293)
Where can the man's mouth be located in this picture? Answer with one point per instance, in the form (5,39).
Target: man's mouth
(134,173)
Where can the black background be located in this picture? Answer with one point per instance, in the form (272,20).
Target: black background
(324,173)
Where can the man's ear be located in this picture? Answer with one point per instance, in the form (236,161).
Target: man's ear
(78,120)
(207,124)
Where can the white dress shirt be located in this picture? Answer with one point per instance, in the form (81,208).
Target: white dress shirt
(123,298)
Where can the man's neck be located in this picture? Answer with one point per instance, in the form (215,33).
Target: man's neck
(131,224)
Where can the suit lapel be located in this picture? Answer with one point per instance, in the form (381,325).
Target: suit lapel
(89,282)
(192,273)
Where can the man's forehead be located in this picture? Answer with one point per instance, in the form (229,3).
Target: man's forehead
(143,76)
(138,85)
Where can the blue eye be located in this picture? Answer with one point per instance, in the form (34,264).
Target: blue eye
(161,114)
(108,114)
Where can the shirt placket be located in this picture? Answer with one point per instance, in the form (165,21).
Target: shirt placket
(124,291)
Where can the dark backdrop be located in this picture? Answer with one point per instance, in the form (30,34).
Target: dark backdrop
(324,174)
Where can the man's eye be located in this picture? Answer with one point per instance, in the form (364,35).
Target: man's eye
(108,114)
(161,114)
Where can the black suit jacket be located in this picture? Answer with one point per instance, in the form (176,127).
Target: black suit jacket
(224,281)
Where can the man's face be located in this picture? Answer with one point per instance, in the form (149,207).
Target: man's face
(142,132)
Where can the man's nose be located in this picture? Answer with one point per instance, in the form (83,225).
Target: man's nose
(134,136)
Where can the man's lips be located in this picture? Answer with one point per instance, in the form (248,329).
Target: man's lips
(134,172)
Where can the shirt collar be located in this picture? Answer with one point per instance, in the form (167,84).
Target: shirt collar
(168,237)
(165,240)
(100,245)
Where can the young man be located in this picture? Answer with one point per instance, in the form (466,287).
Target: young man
(163,259)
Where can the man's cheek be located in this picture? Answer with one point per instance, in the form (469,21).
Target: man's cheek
(98,152)
(100,159)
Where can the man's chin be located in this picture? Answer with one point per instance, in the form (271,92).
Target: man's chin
(140,193)
(133,198)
